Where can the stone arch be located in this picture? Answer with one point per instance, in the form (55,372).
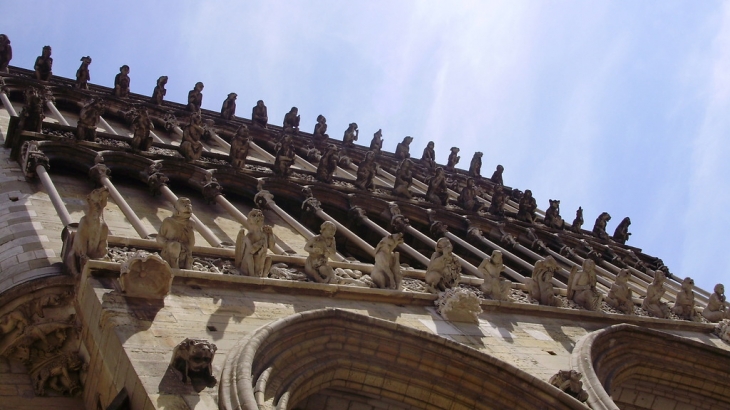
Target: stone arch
(371,360)
(628,367)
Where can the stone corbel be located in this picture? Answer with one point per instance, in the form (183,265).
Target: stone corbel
(145,275)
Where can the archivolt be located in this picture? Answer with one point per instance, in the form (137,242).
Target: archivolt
(285,362)
(670,368)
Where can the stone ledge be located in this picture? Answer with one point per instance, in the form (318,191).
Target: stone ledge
(189,277)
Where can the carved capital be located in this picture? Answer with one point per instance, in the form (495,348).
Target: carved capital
(156,179)
(263,198)
(31,158)
(474,233)
(145,275)
(357,214)
(211,190)
(438,229)
(311,205)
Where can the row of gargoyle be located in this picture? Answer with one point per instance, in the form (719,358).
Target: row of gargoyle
(443,272)
(191,146)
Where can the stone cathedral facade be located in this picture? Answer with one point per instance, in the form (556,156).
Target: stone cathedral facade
(154,255)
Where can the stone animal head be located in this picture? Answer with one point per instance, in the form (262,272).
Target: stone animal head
(256,218)
(688,284)
(97,199)
(623,276)
(389,243)
(579,213)
(496,257)
(407,140)
(555,204)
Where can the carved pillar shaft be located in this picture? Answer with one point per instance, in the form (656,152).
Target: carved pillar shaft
(8,106)
(348,233)
(425,239)
(240,217)
(126,209)
(53,194)
(405,248)
(204,230)
(57,113)
(476,251)
(295,224)
(516,259)
(107,127)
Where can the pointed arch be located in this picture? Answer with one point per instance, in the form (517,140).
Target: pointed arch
(331,350)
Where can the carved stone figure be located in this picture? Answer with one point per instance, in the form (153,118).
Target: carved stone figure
(716,309)
(195,97)
(284,154)
(260,115)
(582,286)
(191,148)
(6,53)
(377,143)
(194,359)
(88,118)
(59,374)
(497,175)
(569,382)
(684,307)
(475,168)
(366,172)
(402,150)
(403,179)
(177,236)
(552,215)
(291,119)
(468,197)
(444,270)
(499,198)
(141,128)
(459,305)
(251,247)
(351,134)
(328,164)
(495,286)
(621,234)
(578,221)
(320,248)
(145,275)
(158,94)
(539,285)
(12,321)
(240,144)
(90,239)
(429,156)
(653,300)
(31,118)
(437,191)
(82,74)
(121,82)
(319,136)
(386,271)
(229,107)
(44,65)
(620,296)
(453,159)
(527,207)
(599,228)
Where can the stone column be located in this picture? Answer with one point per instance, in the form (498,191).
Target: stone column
(35,163)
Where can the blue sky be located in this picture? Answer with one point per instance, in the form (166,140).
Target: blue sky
(613,106)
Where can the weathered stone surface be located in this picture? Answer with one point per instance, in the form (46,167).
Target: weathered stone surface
(145,275)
